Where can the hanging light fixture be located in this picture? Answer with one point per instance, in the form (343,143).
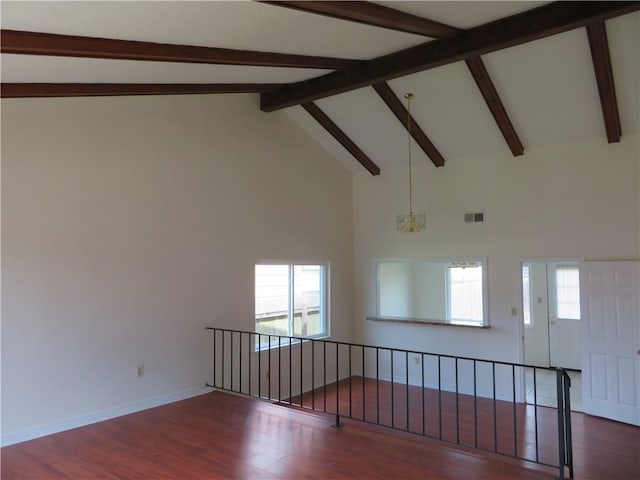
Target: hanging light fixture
(411,222)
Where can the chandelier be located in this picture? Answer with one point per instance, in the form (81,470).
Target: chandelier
(410,222)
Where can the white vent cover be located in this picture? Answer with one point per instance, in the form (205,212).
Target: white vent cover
(474,217)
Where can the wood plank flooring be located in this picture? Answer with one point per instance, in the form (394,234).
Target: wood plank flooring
(223,436)
(602,449)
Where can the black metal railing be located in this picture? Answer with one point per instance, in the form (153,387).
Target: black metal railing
(500,407)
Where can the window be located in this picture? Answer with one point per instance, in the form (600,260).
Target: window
(526,293)
(464,285)
(290,300)
(568,292)
(451,291)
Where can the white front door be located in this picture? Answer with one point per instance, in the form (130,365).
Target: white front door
(551,303)
(564,315)
(611,340)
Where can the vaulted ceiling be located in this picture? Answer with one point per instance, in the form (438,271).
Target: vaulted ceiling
(488,77)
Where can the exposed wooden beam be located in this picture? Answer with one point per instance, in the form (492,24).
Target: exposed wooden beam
(488,90)
(26,90)
(341,137)
(396,106)
(531,25)
(36,43)
(599,46)
(376,15)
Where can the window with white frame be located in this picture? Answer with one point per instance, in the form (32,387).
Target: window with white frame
(568,292)
(464,288)
(526,293)
(290,300)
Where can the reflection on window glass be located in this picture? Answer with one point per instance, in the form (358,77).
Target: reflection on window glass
(568,292)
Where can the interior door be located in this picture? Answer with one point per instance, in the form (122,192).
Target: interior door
(611,340)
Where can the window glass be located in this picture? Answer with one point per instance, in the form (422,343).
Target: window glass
(290,301)
(568,292)
(465,294)
(526,294)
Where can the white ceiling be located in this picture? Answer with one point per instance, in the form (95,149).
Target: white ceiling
(547,86)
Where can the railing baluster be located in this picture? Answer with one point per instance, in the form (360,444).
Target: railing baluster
(269,376)
(406,364)
(495,420)
(324,373)
(475,405)
(457,406)
(515,419)
(250,354)
(364,388)
(279,369)
(290,370)
(561,423)
(567,422)
(439,398)
(313,374)
(337,382)
(350,392)
(535,410)
(377,386)
(215,352)
(231,359)
(424,413)
(223,335)
(392,388)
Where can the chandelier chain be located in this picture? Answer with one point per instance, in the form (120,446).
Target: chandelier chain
(409,138)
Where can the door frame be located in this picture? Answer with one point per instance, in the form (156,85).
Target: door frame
(520,316)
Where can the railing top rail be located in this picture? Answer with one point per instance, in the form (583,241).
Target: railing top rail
(392,349)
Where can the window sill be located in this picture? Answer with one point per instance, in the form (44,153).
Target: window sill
(422,321)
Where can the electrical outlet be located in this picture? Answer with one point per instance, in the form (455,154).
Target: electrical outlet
(140,371)
(416,359)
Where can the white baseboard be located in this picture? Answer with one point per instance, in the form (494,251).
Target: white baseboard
(68,424)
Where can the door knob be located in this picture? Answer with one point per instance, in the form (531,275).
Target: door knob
(553,323)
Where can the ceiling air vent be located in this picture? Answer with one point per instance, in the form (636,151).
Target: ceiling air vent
(474,217)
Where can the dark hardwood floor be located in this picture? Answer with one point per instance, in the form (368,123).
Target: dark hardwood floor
(224,436)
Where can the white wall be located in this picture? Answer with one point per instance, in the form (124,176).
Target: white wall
(130,224)
(574,200)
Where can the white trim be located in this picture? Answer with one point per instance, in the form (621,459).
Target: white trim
(84,420)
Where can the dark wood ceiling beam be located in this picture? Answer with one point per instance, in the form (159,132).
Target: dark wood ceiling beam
(27,90)
(341,137)
(36,43)
(544,21)
(599,46)
(491,97)
(375,15)
(396,106)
